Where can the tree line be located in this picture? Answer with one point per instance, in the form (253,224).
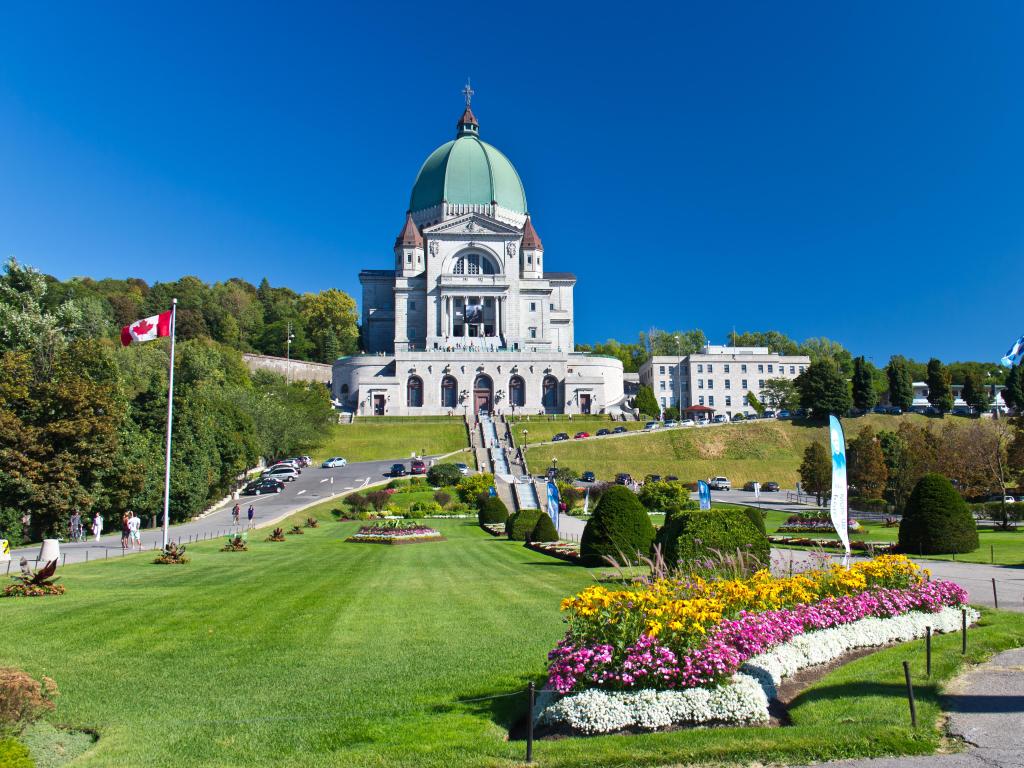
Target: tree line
(82,419)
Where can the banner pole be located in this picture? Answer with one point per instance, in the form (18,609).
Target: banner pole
(170,421)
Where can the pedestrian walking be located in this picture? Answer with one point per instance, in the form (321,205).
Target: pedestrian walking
(97,526)
(125,532)
(134,524)
(236,513)
(76,526)
(252,512)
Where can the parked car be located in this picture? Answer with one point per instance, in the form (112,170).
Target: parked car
(619,430)
(1009,500)
(962,410)
(299,462)
(418,467)
(463,468)
(784,414)
(603,432)
(671,479)
(687,423)
(334,461)
(768,415)
(263,485)
(580,435)
(307,461)
(652,479)
(588,477)
(650,426)
(749,485)
(282,472)
(719,483)
(882,409)
(721,418)
(397,470)
(770,487)
(560,437)
(623,478)
(931,410)
(738,417)
(894,410)
(671,423)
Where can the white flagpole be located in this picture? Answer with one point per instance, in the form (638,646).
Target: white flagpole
(170,418)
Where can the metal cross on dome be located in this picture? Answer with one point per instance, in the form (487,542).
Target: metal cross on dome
(468,92)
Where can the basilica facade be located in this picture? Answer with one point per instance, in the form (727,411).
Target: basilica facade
(470,318)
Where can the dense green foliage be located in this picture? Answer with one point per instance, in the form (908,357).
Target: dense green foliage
(646,403)
(867,472)
(863,384)
(667,497)
(703,534)
(619,528)
(83,420)
(823,391)
(441,475)
(976,394)
(901,382)
(939,393)
(520,525)
(14,754)
(492,510)
(756,516)
(816,470)
(1013,395)
(544,530)
(778,394)
(937,520)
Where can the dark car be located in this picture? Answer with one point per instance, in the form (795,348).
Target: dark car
(560,437)
(738,417)
(397,470)
(784,414)
(588,477)
(603,432)
(263,485)
(652,479)
(882,409)
(418,467)
(770,487)
(619,430)
(962,410)
(894,410)
(671,479)
(623,478)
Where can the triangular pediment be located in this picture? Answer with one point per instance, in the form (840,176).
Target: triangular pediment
(471,224)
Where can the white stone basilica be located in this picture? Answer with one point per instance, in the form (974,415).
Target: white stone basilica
(469,319)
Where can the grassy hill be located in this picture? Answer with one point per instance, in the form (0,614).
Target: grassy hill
(369,439)
(762,450)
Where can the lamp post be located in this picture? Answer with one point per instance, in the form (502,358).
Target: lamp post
(679,382)
(288,349)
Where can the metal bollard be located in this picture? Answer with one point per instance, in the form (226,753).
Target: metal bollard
(910,695)
(963,631)
(995,595)
(992,553)
(928,651)
(529,722)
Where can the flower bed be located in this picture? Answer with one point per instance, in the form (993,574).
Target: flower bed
(563,550)
(495,529)
(810,522)
(878,547)
(697,639)
(395,533)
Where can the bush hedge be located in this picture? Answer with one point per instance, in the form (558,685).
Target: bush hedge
(441,475)
(493,510)
(544,530)
(619,527)
(520,525)
(700,534)
(756,516)
(937,521)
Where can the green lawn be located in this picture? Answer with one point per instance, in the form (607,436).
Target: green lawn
(764,450)
(398,438)
(1000,547)
(315,652)
(541,429)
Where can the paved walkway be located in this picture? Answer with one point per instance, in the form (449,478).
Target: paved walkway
(986,707)
(311,487)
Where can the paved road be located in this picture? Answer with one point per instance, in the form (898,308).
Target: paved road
(313,485)
(986,707)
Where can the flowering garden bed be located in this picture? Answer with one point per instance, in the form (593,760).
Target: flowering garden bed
(878,547)
(810,522)
(563,550)
(395,533)
(683,652)
(495,529)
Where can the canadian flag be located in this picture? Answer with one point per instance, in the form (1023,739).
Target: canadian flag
(147,329)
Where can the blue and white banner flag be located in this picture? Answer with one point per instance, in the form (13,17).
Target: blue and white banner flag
(553,500)
(704,494)
(838,509)
(1015,356)
(586,502)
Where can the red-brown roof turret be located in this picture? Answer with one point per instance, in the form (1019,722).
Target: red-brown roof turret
(410,234)
(531,240)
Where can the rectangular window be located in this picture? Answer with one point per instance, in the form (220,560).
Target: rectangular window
(801,369)
(792,370)
(700,368)
(760,368)
(533,306)
(743,368)
(700,400)
(709,367)
(728,401)
(529,259)
(760,382)
(662,387)
(728,384)
(726,367)
(700,383)
(663,402)
(744,384)
(769,367)
(408,258)
(711,384)
(711,400)
(551,307)
(533,333)
(661,370)
(412,304)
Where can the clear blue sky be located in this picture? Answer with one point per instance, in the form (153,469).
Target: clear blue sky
(851,170)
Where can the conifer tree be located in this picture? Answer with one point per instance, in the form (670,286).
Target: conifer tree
(816,471)
(864,396)
(939,393)
(867,470)
(901,385)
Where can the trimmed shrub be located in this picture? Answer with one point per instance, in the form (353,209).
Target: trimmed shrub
(756,516)
(441,475)
(544,530)
(471,486)
(618,528)
(493,510)
(521,524)
(937,520)
(698,535)
(14,754)
(664,495)
(443,498)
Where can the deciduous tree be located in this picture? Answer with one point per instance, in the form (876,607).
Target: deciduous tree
(867,469)
(823,391)
(816,471)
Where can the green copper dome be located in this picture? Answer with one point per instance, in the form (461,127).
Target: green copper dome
(468,171)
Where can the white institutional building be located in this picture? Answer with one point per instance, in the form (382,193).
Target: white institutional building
(470,318)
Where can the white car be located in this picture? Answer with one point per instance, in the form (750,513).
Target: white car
(687,423)
(650,426)
(463,468)
(282,472)
(334,461)
(1009,500)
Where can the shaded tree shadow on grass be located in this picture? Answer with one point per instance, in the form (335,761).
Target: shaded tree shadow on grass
(506,709)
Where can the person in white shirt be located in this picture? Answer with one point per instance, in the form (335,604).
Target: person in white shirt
(134,523)
(97,526)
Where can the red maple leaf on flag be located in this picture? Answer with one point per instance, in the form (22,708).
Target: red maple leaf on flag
(142,328)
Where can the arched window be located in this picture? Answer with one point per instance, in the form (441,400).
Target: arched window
(475,264)
(449,392)
(344,389)
(517,391)
(549,394)
(414,392)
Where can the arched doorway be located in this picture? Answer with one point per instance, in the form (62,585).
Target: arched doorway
(483,393)
(449,392)
(516,392)
(549,394)
(414,392)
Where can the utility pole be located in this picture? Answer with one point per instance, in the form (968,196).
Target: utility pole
(288,349)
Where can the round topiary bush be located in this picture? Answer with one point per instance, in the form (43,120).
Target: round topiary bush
(619,528)
(756,516)
(493,510)
(937,520)
(521,524)
(544,530)
(441,475)
(711,534)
